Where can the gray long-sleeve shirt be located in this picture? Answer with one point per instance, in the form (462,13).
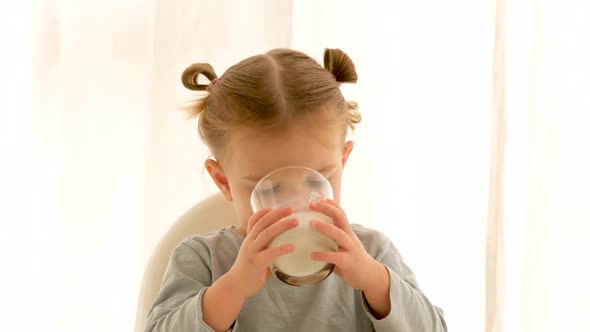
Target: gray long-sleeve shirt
(331,305)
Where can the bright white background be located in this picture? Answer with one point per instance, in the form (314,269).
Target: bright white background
(97,162)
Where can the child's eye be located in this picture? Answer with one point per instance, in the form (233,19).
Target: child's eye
(314,182)
(269,191)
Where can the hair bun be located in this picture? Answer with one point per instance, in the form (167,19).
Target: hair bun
(191,74)
(340,65)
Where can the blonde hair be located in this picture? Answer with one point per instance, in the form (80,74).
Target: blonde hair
(267,90)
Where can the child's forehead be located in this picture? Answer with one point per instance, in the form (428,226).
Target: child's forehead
(255,151)
(294,135)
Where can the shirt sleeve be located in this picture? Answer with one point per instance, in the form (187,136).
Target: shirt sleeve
(410,309)
(177,307)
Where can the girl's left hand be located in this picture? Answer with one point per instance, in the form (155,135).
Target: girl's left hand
(353,263)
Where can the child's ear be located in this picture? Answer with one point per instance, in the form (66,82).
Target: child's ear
(219,178)
(346,152)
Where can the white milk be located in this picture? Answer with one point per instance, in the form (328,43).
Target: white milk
(306,241)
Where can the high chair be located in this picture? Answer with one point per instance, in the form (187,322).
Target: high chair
(209,215)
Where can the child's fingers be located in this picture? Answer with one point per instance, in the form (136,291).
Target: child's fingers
(338,235)
(267,235)
(268,219)
(337,215)
(270,254)
(256,217)
(334,257)
(333,203)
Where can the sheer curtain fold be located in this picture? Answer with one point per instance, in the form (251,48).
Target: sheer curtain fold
(495,251)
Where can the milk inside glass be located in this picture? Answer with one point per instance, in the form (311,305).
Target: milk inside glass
(306,241)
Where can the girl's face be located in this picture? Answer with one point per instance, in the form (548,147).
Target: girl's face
(313,141)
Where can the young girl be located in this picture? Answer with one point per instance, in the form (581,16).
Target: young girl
(270,111)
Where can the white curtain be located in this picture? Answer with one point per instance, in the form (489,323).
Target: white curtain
(97,161)
(547,190)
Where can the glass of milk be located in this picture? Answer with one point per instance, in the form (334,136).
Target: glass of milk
(297,187)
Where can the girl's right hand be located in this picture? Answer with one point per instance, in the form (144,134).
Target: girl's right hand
(251,268)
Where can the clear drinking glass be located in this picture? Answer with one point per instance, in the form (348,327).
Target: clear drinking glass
(297,187)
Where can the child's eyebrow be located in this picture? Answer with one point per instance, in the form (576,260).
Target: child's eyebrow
(327,168)
(252,178)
